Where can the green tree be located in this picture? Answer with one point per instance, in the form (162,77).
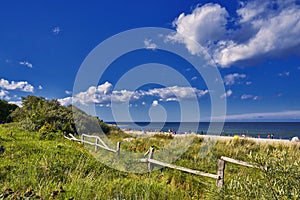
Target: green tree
(39,113)
(5,110)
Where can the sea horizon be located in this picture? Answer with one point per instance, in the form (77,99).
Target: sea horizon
(279,130)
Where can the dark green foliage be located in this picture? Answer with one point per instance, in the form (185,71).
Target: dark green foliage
(85,123)
(48,132)
(48,117)
(37,112)
(5,110)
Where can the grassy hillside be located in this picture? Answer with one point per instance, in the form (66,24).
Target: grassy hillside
(61,169)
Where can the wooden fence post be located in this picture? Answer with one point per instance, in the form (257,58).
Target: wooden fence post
(82,139)
(96,143)
(150,156)
(221,168)
(118,148)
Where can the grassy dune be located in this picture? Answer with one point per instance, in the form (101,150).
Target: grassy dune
(61,169)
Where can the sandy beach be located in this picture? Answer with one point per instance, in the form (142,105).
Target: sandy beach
(137,133)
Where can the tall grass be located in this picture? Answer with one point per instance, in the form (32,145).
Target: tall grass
(61,169)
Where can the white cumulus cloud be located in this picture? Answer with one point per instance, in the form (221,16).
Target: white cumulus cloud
(18,103)
(65,101)
(155,103)
(262,29)
(228,93)
(3,94)
(149,44)
(175,92)
(104,93)
(230,79)
(21,85)
(206,24)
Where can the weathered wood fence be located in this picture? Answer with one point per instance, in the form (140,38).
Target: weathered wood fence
(220,172)
(99,143)
(152,162)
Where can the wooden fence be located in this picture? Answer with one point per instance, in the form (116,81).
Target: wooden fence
(99,143)
(220,172)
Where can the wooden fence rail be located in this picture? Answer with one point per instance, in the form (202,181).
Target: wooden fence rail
(246,164)
(220,173)
(96,143)
(99,143)
(191,171)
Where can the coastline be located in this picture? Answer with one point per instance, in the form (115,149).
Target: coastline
(275,130)
(138,133)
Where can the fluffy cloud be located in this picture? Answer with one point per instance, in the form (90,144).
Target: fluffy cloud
(260,30)
(104,94)
(155,103)
(228,93)
(123,96)
(68,92)
(3,94)
(175,92)
(271,37)
(21,85)
(149,44)
(65,101)
(251,10)
(26,63)
(18,103)
(230,79)
(94,94)
(205,25)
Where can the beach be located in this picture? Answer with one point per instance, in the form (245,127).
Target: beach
(275,130)
(138,133)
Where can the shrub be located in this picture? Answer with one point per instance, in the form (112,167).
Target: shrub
(48,132)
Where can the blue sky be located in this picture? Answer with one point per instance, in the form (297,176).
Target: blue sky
(255,47)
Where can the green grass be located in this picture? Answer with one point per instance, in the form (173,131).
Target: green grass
(61,169)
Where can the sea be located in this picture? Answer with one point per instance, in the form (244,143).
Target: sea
(276,130)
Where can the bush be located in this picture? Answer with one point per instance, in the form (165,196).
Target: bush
(48,132)
(46,116)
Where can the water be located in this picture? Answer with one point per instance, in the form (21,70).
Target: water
(284,130)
